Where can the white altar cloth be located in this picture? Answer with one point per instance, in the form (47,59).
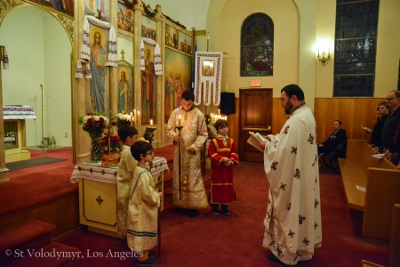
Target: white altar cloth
(18,113)
(104,174)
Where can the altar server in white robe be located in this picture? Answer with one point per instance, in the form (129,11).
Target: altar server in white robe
(189,192)
(293,219)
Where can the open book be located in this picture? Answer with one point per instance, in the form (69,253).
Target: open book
(255,139)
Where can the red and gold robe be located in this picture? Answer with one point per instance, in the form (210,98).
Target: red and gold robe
(222,191)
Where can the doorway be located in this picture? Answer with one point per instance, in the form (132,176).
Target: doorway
(39,50)
(255,114)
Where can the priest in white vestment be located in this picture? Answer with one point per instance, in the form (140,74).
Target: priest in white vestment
(293,219)
(188,186)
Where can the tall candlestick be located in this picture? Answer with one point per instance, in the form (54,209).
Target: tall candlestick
(131,118)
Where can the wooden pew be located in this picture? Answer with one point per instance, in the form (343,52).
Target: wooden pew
(372,186)
(394,257)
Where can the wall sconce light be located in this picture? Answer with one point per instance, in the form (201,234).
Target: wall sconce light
(324,57)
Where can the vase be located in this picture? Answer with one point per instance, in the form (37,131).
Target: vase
(95,155)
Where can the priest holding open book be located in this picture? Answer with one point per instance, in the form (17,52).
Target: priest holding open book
(293,219)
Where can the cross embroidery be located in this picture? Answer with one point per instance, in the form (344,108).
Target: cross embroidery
(291,234)
(315,160)
(311,139)
(289,206)
(282,186)
(316,203)
(297,174)
(273,165)
(305,241)
(99,200)
(279,251)
(286,129)
(294,150)
(301,219)
(315,225)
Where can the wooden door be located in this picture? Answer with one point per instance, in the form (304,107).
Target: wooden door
(255,114)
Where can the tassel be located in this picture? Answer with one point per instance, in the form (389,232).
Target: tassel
(78,72)
(88,72)
(5,61)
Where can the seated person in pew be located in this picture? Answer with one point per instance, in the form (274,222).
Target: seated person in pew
(337,137)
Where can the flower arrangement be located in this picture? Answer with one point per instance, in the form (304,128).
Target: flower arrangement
(94,123)
(148,11)
(122,119)
(176,22)
(130,3)
(114,145)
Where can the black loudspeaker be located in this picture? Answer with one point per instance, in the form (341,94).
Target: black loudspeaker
(227,104)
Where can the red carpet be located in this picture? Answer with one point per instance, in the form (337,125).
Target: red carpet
(31,186)
(210,240)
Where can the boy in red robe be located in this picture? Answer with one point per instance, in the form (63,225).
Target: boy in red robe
(223,154)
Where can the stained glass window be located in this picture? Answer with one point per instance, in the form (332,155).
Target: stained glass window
(355,47)
(257,46)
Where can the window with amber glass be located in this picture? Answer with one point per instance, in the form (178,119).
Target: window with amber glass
(355,47)
(257,46)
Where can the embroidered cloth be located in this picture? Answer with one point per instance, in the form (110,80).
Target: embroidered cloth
(98,173)
(18,113)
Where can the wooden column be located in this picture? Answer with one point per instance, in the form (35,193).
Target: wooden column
(3,169)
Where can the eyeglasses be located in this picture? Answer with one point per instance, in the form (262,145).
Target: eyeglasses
(390,98)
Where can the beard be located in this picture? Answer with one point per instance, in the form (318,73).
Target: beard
(288,108)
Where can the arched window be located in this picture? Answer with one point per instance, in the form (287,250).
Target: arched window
(257,46)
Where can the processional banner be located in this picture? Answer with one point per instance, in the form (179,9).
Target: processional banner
(207,79)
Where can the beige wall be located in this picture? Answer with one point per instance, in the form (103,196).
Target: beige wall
(225,36)
(388,47)
(299,26)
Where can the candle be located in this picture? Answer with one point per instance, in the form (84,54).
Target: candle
(179,120)
(151,123)
(138,114)
(226,87)
(131,118)
(219,113)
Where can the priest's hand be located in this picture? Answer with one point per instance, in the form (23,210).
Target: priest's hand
(263,145)
(267,137)
(191,151)
(177,139)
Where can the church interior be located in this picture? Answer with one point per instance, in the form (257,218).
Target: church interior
(61,61)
